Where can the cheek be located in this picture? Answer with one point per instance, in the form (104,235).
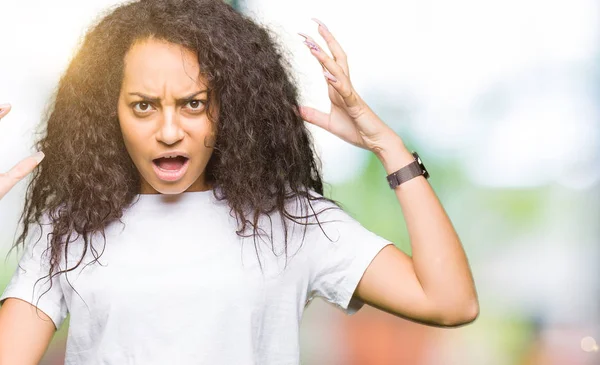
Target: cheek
(198,130)
(131,139)
(123,123)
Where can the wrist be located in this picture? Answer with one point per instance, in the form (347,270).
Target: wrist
(394,155)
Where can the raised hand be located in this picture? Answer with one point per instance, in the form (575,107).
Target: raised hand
(350,118)
(21,169)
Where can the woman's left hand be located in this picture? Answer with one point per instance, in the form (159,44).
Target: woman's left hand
(350,118)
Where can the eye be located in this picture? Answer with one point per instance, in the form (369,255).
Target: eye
(196,105)
(144,107)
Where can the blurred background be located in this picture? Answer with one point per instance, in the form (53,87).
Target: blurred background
(500,98)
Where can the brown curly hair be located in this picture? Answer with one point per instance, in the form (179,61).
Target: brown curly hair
(263,153)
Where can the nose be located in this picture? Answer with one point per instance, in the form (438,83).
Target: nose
(170,131)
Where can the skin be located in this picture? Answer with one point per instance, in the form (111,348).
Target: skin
(160,70)
(24,333)
(21,169)
(434,286)
(168,72)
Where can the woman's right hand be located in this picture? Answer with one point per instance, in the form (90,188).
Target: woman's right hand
(21,169)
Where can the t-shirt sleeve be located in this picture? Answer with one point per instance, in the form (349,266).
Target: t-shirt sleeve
(339,262)
(33,265)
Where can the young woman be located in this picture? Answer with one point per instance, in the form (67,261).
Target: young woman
(174,142)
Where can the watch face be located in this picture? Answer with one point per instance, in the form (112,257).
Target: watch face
(418,159)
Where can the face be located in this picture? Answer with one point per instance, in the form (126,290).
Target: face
(162,112)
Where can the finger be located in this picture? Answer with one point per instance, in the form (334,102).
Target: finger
(336,49)
(326,61)
(19,171)
(316,117)
(336,76)
(4,109)
(25,166)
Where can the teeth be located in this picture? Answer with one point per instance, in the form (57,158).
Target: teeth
(172,156)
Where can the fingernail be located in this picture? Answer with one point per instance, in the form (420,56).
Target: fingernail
(4,108)
(320,23)
(311,45)
(38,156)
(329,76)
(309,41)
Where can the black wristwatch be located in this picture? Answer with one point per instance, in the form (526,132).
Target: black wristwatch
(412,170)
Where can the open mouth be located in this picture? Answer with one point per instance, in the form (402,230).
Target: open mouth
(170,168)
(170,163)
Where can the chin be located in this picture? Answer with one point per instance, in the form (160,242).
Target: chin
(170,190)
(161,187)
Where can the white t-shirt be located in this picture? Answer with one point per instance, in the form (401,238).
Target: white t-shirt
(176,285)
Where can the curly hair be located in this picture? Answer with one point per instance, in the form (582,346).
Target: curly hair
(263,153)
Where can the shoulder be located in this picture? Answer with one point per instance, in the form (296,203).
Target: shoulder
(313,206)
(320,218)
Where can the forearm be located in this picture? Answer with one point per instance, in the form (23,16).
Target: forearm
(438,257)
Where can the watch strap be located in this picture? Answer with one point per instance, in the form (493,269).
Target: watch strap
(406,173)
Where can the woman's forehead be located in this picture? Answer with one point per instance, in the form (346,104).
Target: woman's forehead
(156,63)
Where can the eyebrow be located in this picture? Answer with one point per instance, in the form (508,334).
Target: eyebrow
(157,100)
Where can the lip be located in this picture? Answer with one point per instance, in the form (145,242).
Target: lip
(172,153)
(170,175)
